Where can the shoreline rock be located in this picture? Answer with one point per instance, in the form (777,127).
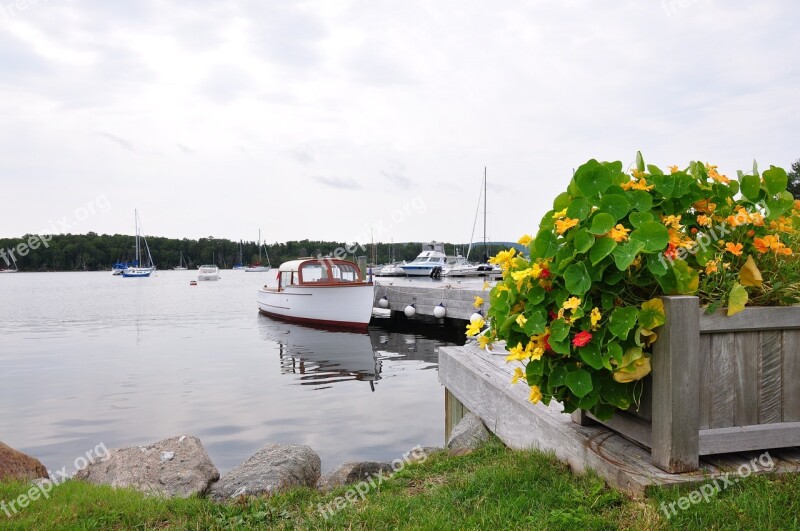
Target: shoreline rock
(15,465)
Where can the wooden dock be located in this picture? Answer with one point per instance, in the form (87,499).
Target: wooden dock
(456,296)
(480,382)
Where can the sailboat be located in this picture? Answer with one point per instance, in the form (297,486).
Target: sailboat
(139,271)
(258,267)
(461,266)
(181,264)
(238,265)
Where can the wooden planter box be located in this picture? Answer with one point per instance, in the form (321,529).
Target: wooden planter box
(719,384)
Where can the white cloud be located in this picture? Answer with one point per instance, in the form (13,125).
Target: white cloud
(408,100)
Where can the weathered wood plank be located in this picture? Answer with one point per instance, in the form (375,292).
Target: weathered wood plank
(482,382)
(454,411)
(630,426)
(751,319)
(676,387)
(581,418)
(770,407)
(722,381)
(706,375)
(746,378)
(791,375)
(743,438)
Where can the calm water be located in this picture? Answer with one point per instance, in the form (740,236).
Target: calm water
(87,358)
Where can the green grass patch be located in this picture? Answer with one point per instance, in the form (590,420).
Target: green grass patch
(493,488)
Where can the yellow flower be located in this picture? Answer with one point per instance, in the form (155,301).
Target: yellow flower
(673,169)
(716,176)
(735,249)
(563,225)
(560,214)
(478,302)
(503,259)
(704,221)
(486,286)
(516,353)
(534,352)
(618,233)
(474,327)
(571,304)
(638,174)
(536,394)
(518,375)
(501,288)
(595,317)
(711,267)
(484,341)
(641,184)
(521,320)
(672,221)
(525,240)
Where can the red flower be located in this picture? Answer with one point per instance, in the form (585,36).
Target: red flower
(553,315)
(545,273)
(671,252)
(581,339)
(546,339)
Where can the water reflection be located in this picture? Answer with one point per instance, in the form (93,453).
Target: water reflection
(320,357)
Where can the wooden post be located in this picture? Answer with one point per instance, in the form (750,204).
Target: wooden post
(581,417)
(454,411)
(676,387)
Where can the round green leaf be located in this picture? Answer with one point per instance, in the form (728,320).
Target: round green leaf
(776,180)
(561,201)
(622,321)
(577,280)
(583,241)
(616,205)
(592,178)
(602,248)
(653,234)
(639,200)
(637,218)
(625,254)
(602,222)
(750,186)
(578,208)
(591,355)
(579,382)
(545,244)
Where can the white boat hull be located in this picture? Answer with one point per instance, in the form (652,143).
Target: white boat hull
(347,306)
(419,271)
(208,277)
(256,269)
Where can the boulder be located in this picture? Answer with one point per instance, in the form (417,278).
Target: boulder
(274,468)
(350,473)
(468,434)
(174,467)
(15,465)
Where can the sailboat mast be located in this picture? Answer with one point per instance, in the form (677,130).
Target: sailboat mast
(136,225)
(259,246)
(485,250)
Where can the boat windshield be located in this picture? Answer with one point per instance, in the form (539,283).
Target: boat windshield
(329,273)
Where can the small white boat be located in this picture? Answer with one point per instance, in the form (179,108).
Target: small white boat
(208,272)
(182,266)
(432,256)
(328,292)
(137,270)
(15,270)
(392,270)
(258,267)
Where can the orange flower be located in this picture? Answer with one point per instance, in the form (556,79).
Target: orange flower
(735,249)
(618,233)
(673,169)
(563,225)
(704,221)
(711,267)
(705,206)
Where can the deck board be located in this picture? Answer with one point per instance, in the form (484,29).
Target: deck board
(481,381)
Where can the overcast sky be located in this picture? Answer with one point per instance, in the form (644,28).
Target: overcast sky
(326,119)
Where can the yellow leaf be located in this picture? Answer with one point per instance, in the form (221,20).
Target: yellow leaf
(737,299)
(639,369)
(750,275)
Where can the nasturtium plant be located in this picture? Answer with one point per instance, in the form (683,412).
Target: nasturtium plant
(580,312)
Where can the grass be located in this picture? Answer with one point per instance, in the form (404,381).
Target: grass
(493,488)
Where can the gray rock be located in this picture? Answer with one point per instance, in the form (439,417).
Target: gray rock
(189,471)
(350,473)
(16,465)
(468,434)
(274,468)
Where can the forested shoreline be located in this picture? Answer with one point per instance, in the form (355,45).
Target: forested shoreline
(98,252)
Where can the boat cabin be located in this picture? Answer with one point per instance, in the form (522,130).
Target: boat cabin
(319,272)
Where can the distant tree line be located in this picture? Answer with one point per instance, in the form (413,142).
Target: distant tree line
(97,252)
(794,179)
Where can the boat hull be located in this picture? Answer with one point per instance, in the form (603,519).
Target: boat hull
(339,306)
(256,269)
(136,273)
(419,271)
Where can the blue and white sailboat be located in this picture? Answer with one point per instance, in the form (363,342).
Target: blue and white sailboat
(148,267)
